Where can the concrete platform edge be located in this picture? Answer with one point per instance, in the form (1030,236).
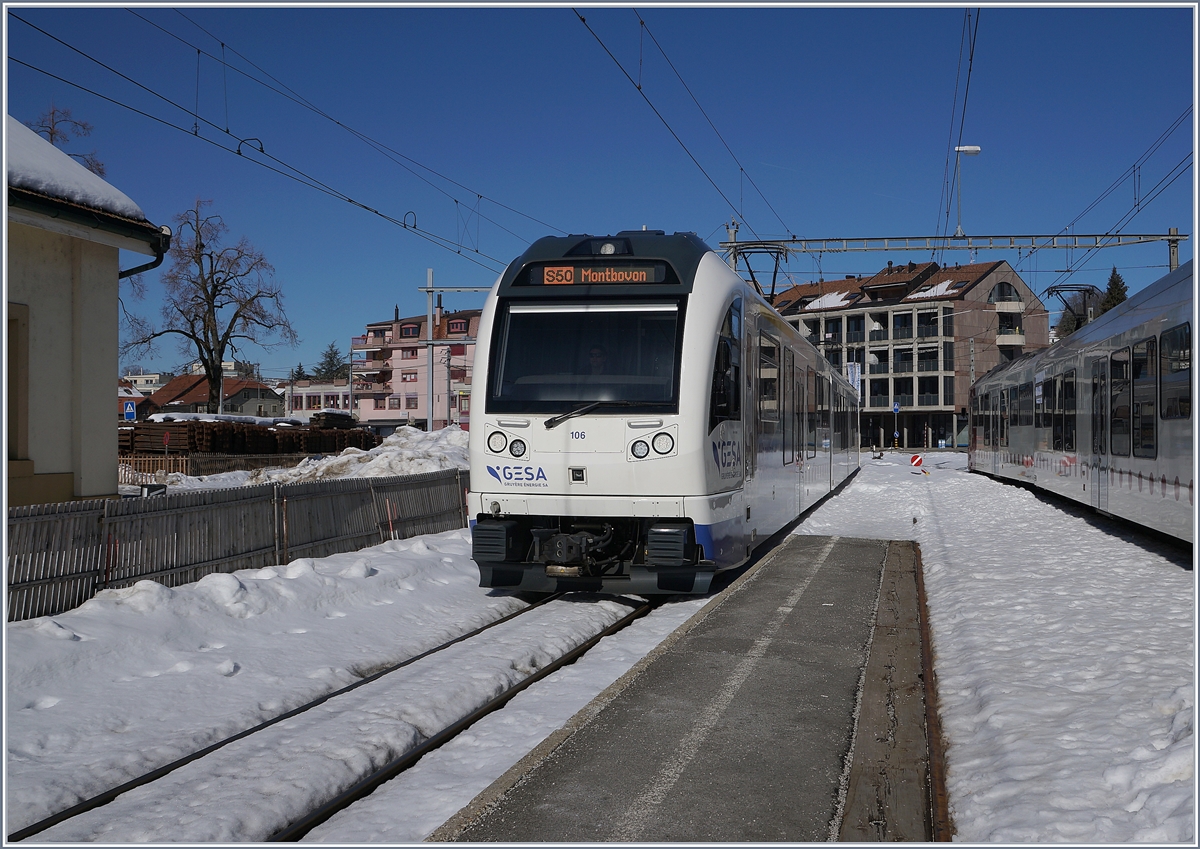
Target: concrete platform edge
(496,791)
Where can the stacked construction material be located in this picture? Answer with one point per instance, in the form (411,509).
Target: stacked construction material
(192,436)
(332,419)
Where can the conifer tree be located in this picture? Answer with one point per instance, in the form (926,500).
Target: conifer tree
(1115,293)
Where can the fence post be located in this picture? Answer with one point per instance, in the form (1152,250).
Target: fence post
(275,516)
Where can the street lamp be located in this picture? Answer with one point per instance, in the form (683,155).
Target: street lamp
(959,150)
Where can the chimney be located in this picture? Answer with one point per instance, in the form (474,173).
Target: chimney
(397,318)
(889,271)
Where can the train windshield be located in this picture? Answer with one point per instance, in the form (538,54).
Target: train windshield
(551,358)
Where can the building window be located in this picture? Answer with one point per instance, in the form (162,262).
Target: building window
(410,401)
(408,353)
(380,402)
(902,391)
(464,404)
(927,391)
(410,330)
(947,321)
(902,325)
(408,377)
(393,403)
(458,350)
(312,402)
(457,325)
(1002,292)
(948,390)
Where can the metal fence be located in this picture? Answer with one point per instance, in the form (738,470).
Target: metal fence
(60,555)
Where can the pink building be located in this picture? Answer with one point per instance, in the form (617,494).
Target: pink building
(390,370)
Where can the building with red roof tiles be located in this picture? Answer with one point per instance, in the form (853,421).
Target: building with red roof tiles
(918,335)
(188,393)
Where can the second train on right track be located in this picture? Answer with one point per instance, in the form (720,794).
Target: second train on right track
(1103,417)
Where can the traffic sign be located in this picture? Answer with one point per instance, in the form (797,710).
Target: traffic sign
(896,407)
(130,411)
(166,437)
(915,460)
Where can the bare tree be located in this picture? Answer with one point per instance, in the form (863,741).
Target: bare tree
(216,297)
(58,127)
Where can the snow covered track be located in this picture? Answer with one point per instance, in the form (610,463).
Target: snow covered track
(109,795)
(263,783)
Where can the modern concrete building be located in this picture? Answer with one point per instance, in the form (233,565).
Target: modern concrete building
(66,230)
(917,335)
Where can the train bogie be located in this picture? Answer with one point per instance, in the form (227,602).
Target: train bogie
(644,419)
(1103,417)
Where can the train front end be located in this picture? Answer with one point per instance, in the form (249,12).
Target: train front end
(591,467)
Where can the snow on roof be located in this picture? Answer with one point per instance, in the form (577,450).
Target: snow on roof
(938,291)
(38,166)
(831,300)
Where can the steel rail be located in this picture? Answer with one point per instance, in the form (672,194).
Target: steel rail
(109,795)
(368,785)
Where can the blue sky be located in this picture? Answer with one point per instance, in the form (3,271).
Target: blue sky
(505,125)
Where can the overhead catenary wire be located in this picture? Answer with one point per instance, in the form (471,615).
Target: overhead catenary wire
(290,94)
(741,169)
(291,171)
(663,119)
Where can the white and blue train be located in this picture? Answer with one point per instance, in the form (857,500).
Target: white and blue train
(642,418)
(1103,417)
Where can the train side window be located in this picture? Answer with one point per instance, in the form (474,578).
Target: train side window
(788,404)
(1175,371)
(1056,413)
(768,393)
(811,414)
(726,401)
(1025,394)
(1068,408)
(1145,394)
(1002,436)
(984,408)
(1120,397)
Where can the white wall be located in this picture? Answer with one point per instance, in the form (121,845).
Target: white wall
(70,287)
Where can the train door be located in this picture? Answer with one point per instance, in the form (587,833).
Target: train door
(1099,462)
(997,396)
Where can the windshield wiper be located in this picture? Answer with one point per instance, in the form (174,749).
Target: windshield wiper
(587,408)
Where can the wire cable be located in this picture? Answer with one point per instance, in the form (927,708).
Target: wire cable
(665,123)
(686,88)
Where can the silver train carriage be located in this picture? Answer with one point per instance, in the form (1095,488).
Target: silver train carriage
(646,418)
(1103,417)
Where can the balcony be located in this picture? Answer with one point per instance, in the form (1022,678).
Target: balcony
(902,333)
(1010,337)
(902,367)
(370,343)
(1010,306)
(370,366)
(904,400)
(927,400)
(878,401)
(877,368)
(879,335)
(924,331)
(927,365)
(855,335)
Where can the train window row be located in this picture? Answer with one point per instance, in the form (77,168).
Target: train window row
(1144,382)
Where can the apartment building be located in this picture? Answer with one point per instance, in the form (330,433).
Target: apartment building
(390,370)
(917,335)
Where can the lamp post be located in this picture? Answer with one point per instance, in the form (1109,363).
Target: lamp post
(959,150)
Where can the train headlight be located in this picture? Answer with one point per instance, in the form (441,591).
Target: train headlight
(497,441)
(517,448)
(640,449)
(663,443)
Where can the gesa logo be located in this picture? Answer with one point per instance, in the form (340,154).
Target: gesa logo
(517,474)
(727,454)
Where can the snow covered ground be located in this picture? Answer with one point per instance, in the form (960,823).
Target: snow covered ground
(1064,654)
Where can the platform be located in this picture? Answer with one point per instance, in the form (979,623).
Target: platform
(791,708)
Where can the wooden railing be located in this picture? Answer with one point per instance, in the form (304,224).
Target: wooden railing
(61,555)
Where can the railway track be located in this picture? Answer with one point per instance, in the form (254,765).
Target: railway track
(368,730)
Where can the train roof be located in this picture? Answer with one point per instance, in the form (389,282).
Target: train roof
(1105,325)
(1156,296)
